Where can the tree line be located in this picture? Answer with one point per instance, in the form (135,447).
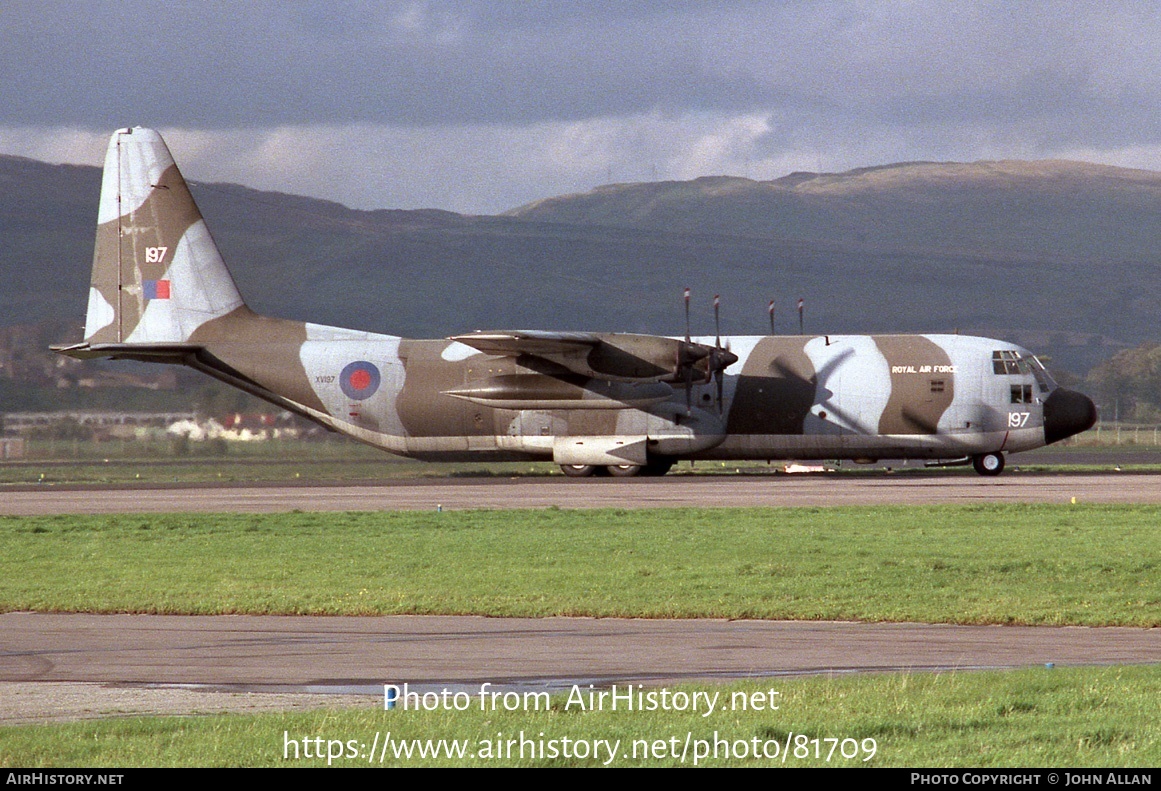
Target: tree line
(1127,387)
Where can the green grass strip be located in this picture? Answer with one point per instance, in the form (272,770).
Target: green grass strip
(1014,564)
(1087,717)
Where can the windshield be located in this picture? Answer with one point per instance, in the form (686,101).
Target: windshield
(1044,379)
(1010,361)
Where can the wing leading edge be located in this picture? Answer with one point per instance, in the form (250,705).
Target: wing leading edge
(616,357)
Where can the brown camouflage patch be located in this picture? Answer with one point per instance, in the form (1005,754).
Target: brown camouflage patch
(159,223)
(922,384)
(264,350)
(423,408)
(775,389)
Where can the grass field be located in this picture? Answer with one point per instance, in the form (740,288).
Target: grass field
(1008,564)
(1086,717)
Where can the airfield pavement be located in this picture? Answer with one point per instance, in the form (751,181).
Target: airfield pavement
(98,663)
(55,666)
(529,492)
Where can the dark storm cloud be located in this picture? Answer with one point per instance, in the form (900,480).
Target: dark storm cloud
(244,64)
(214,64)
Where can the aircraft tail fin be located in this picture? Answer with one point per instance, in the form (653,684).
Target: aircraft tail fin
(157,273)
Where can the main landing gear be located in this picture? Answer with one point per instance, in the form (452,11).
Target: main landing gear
(578,470)
(654,467)
(988,463)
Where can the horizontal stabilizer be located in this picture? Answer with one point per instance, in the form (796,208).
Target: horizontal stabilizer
(193,355)
(148,352)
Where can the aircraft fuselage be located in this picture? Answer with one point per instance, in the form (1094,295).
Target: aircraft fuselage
(786,397)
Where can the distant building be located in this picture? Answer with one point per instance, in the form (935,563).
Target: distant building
(111,424)
(11,447)
(239,427)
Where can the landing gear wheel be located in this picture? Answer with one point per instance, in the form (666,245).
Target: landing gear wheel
(577,470)
(657,467)
(624,470)
(989,463)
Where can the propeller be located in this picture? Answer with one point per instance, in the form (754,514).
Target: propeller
(720,358)
(690,355)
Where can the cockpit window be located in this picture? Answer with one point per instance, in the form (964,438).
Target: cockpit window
(1022,394)
(1010,361)
(1007,361)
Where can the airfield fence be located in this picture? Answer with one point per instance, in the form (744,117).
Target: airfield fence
(1103,434)
(1112,434)
(161,448)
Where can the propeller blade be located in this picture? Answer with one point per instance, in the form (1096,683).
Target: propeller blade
(688,390)
(717,323)
(721,358)
(686,362)
(687,315)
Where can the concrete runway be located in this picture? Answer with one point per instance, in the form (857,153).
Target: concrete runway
(672,491)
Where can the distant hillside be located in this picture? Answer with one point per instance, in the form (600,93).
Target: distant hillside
(1040,209)
(1063,257)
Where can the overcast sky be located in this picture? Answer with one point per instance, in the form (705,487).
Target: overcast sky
(482,106)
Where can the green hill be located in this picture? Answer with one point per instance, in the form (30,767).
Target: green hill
(1040,209)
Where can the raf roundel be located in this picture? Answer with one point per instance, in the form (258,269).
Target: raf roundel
(359,380)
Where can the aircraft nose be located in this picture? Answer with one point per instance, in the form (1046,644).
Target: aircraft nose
(1067,412)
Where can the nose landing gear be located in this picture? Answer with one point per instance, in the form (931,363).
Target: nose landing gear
(988,463)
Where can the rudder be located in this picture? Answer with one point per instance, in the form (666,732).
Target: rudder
(157,273)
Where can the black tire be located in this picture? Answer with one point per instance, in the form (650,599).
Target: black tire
(658,467)
(989,463)
(578,470)
(624,470)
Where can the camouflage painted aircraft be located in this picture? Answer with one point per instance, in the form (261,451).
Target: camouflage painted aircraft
(591,402)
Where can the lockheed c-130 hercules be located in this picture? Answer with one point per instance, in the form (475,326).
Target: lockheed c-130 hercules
(590,402)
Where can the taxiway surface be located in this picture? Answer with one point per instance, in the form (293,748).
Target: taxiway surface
(673,491)
(345,651)
(47,657)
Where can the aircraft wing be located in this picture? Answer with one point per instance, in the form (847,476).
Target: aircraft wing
(623,357)
(534,342)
